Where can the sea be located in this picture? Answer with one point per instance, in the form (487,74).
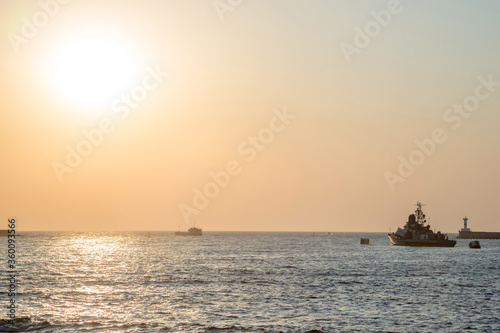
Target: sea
(248,282)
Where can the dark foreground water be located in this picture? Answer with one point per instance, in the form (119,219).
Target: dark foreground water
(250,282)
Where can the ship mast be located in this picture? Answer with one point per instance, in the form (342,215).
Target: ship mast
(419,215)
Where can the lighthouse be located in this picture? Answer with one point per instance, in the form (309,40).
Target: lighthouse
(465,225)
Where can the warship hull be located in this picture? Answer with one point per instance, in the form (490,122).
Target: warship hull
(422,242)
(184,233)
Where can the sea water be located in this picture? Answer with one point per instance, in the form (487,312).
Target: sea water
(249,282)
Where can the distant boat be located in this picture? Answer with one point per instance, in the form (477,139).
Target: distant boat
(191,232)
(416,233)
(466,233)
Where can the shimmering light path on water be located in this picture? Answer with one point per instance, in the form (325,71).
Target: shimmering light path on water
(245,282)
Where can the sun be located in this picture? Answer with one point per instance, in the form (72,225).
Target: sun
(91,67)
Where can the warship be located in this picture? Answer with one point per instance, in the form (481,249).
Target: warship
(191,232)
(417,233)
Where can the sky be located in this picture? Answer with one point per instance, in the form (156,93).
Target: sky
(249,115)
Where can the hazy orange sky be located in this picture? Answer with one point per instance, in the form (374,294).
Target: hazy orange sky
(118,115)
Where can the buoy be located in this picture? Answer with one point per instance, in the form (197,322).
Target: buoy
(365,241)
(474,245)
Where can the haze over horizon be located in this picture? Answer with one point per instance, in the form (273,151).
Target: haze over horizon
(255,116)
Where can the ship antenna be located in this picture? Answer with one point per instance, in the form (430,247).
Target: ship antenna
(419,205)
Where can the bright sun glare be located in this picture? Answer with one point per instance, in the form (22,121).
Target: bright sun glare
(90,68)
